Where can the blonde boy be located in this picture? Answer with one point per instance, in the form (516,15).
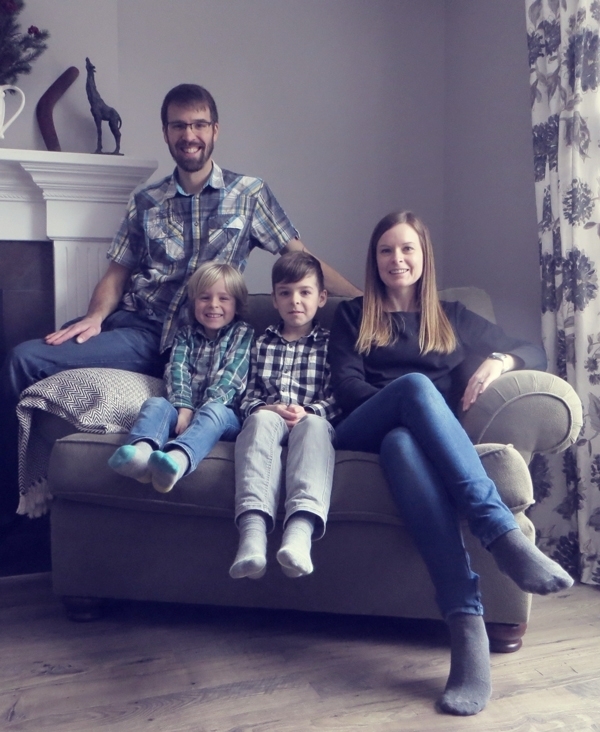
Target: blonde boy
(205,379)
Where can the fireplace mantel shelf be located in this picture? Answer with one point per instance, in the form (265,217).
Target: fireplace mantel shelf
(75,200)
(71,176)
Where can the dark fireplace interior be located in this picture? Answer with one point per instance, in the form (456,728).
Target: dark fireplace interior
(26,292)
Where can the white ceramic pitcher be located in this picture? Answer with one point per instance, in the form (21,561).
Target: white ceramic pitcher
(5,125)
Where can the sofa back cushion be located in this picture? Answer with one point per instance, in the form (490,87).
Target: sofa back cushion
(261,312)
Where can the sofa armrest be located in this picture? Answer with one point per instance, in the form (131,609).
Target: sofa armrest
(532,410)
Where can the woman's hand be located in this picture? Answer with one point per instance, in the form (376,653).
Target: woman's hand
(489,371)
(184,417)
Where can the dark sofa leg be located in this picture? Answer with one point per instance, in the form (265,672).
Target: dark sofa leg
(83,609)
(505,637)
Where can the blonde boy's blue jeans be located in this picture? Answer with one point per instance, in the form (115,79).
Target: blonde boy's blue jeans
(211,422)
(308,472)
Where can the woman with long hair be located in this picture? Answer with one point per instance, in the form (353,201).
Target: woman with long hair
(393,353)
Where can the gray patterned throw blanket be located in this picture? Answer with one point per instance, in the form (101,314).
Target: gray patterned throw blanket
(95,400)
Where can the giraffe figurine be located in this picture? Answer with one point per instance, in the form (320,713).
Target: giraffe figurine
(101,110)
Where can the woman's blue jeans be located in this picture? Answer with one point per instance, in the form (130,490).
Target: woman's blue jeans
(435,476)
(211,422)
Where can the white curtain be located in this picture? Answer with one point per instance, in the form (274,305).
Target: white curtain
(564,58)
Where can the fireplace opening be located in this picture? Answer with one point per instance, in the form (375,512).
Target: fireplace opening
(26,292)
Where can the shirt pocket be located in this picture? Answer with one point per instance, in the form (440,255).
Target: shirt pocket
(227,233)
(165,237)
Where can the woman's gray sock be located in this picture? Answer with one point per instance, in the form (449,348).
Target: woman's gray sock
(251,558)
(524,563)
(469,685)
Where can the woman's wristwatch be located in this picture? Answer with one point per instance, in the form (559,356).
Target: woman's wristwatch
(499,357)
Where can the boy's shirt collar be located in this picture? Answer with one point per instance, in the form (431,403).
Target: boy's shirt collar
(199,328)
(315,333)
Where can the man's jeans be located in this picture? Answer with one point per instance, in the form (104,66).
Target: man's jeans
(128,341)
(211,422)
(435,475)
(309,467)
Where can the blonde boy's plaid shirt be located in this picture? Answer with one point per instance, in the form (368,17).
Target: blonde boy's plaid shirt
(166,235)
(291,372)
(201,370)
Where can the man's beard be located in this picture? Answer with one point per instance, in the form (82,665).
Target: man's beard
(192,165)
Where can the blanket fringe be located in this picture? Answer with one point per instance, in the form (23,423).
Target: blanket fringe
(34,502)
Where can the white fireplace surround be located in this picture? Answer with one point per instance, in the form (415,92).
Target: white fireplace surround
(74,200)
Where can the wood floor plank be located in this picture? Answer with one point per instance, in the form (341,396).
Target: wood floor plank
(166,668)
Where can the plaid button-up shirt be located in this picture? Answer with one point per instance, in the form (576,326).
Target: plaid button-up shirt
(165,236)
(202,370)
(291,372)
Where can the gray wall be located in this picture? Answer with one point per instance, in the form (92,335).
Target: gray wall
(348,108)
(490,219)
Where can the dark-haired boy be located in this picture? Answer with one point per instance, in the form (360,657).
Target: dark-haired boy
(288,401)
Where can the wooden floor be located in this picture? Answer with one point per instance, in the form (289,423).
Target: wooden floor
(189,669)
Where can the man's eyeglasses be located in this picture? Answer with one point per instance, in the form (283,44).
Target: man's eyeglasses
(200,125)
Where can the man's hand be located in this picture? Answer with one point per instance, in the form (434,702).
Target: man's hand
(290,413)
(82,330)
(184,417)
(105,299)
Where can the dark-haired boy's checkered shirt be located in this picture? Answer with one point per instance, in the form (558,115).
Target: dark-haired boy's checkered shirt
(291,372)
(167,234)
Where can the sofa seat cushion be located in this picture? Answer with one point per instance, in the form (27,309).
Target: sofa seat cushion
(79,472)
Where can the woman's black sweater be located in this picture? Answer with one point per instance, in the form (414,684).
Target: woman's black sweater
(356,377)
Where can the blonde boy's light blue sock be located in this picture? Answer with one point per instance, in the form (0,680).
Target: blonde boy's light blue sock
(167,468)
(132,461)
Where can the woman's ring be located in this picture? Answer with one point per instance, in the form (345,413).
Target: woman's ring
(480,381)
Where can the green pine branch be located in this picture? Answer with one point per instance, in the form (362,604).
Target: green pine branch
(18,50)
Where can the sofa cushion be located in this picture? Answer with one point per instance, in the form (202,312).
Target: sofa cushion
(79,472)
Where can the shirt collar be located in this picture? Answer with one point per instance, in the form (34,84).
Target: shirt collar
(214,180)
(223,331)
(316,333)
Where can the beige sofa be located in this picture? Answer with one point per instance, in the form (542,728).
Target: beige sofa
(115,538)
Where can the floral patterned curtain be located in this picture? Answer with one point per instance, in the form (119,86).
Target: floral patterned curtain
(564,58)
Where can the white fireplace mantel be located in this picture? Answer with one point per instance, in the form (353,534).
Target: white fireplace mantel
(76,201)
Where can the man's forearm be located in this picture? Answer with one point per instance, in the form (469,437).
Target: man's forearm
(108,292)
(335,283)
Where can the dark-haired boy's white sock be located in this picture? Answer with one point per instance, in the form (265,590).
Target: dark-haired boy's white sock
(294,554)
(251,558)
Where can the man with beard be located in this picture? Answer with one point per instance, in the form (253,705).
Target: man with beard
(198,213)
